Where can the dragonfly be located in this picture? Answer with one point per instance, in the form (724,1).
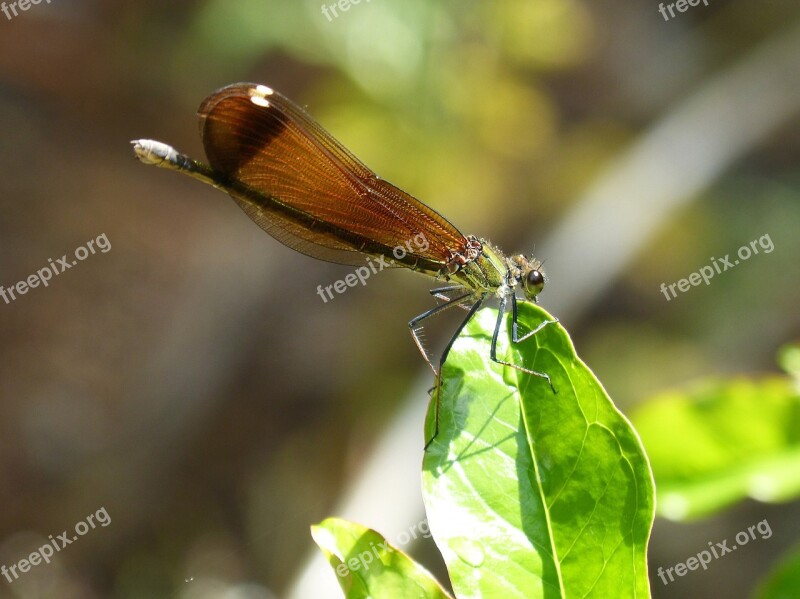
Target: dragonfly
(304,188)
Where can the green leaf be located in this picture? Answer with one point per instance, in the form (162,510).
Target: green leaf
(531,493)
(716,443)
(784,581)
(367,566)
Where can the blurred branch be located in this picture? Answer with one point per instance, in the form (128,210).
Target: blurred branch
(666,169)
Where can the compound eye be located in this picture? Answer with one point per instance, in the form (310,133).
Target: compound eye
(533,283)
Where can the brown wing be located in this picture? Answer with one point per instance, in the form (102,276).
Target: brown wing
(305,189)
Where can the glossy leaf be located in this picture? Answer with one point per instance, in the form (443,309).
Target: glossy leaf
(717,443)
(531,493)
(367,566)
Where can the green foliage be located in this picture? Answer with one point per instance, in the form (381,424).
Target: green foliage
(529,493)
(369,567)
(784,581)
(718,442)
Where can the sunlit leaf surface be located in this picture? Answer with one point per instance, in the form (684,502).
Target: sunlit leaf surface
(530,493)
(366,565)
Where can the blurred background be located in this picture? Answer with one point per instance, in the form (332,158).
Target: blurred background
(190,380)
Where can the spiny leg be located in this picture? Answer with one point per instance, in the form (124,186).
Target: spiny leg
(499,323)
(514,336)
(443,358)
(442,293)
(416,330)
